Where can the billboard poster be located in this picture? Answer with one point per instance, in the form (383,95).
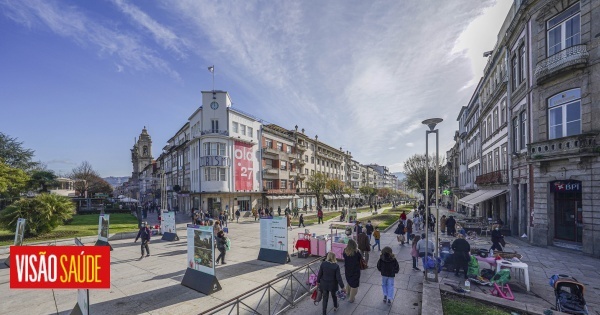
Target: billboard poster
(274,233)
(103,227)
(20,232)
(244,167)
(200,251)
(167,222)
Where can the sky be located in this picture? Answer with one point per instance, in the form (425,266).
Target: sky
(80,79)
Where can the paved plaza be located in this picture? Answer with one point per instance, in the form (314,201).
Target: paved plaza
(152,285)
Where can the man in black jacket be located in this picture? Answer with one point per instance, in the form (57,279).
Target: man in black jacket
(145,234)
(462,255)
(370,229)
(451,226)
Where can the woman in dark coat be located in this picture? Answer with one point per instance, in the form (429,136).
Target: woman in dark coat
(352,259)
(496,238)
(329,279)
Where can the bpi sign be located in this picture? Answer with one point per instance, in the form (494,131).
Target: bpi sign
(244,166)
(565,186)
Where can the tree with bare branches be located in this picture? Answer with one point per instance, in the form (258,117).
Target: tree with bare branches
(415,167)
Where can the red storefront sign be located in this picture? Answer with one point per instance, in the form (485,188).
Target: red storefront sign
(59,267)
(244,167)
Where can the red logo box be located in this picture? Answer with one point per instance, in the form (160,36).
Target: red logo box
(59,267)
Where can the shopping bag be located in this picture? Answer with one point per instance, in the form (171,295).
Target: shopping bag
(363,264)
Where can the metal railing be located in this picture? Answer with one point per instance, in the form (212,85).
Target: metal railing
(570,56)
(273,297)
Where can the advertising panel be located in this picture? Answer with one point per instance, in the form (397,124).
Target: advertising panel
(244,166)
(20,232)
(167,223)
(200,251)
(274,233)
(103,227)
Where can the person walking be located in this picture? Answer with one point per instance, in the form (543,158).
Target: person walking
(377,237)
(217,227)
(221,243)
(431,222)
(403,217)
(320,216)
(409,230)
(301,220)
(279,211)
(389,267)
(451,226)
(369,229)
(363,245)
(225,218)
(497,237)
(443,221)
(462,255)
(352,259)
(144,233)
(416,221)
(237,216)
(254,214)
(289,221)
(415,253)
(329,279)
(400,232)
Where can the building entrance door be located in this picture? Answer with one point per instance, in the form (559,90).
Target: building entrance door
(214,206)
(568,216)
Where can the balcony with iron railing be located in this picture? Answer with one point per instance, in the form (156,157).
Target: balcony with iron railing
(271,170)
(301,147)
(281,191)
(492,178)
(269,150)
(569,58)
(572,146)
(214,132)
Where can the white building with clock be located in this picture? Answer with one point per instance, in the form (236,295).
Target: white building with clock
(224,156)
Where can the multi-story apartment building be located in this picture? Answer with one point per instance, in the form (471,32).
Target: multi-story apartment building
(565,71)
(225,156)
(493,181)
(551,98)
(281,167)
(470,155)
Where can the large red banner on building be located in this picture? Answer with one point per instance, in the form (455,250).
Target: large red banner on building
(244,167)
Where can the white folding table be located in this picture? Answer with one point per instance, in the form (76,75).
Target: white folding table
(517,265)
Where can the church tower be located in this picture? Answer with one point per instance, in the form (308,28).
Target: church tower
(141,154)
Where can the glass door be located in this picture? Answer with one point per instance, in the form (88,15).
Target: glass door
(568,216)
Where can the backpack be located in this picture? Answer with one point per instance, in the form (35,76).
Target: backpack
(227,244)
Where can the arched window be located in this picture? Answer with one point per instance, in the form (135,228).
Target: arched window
(145,151)
(564,114)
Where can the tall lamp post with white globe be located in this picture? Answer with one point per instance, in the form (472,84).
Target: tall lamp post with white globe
(431,123)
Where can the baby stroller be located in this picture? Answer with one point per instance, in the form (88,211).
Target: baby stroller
(569,294)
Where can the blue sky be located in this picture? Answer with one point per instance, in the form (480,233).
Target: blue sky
(80,79)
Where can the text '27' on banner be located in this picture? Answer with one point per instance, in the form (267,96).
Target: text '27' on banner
(59,267)
(244,166)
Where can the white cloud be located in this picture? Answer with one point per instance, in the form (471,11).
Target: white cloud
(410,144)
(162,34)
(70,22)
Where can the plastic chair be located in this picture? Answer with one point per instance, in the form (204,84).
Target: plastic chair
(485,229)
(503,291)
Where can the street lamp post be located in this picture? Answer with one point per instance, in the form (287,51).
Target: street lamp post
(431,123)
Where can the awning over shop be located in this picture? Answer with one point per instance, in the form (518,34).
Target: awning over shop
(346,196)
(465,200)
(488,194)
(280,197)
